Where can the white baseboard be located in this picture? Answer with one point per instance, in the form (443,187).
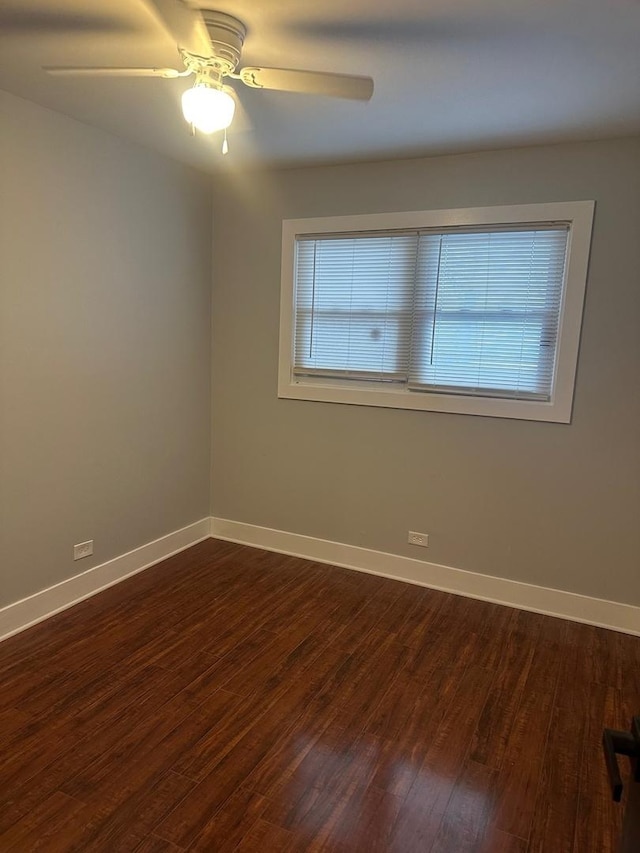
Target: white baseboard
(22,614)
(553,602)
(539,599)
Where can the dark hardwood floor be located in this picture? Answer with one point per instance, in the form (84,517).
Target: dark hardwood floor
(233,699)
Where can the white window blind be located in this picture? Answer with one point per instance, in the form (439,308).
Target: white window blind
(354,305)
(458,311)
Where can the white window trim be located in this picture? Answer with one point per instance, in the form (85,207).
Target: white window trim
(579,215)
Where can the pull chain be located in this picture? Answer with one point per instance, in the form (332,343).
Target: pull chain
(225,144)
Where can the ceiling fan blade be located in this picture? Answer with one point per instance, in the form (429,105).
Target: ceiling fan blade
(39,22)
(309,82)
(97,71)
(425,27)
(186,26)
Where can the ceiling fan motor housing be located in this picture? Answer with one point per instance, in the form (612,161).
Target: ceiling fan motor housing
(227,36)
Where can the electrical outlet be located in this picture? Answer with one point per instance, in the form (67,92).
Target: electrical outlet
(418,539)
(83,549)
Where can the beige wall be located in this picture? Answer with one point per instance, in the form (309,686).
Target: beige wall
(545,503)
(104,346)
(104,369)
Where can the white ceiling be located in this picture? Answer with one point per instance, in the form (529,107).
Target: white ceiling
(450,75)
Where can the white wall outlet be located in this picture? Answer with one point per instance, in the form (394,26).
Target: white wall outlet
(83,549)
(418,539)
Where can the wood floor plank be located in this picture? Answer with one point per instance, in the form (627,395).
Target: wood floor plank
(499,711)
(377,676)
(555,814)
(220,672)
(42,828)
(236,699)
(149,749)
(468,811)
(422,615)
(416,827)
(444,752)
(224,834)
(153,844)
(316,796)
(113,822)
(12,723)
(314,725)
(517,783)
(230,754)
(56,751)
(427,678)
(265,836)
(408,740)
(284,654)
(26,683)
(363,820)
(599,819)
(496,841)
(364,619)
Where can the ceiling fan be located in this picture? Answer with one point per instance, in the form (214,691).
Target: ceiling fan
(210,45)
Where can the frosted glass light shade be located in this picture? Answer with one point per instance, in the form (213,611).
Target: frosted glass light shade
(208,109)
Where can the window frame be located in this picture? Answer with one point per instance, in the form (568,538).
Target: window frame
(578,215)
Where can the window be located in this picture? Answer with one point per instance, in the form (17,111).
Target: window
(474,311)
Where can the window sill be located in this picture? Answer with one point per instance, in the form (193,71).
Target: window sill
(557,411)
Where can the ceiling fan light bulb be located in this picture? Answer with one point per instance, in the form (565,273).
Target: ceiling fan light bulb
(208,109)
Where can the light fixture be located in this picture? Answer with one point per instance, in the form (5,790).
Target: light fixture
(207,106)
